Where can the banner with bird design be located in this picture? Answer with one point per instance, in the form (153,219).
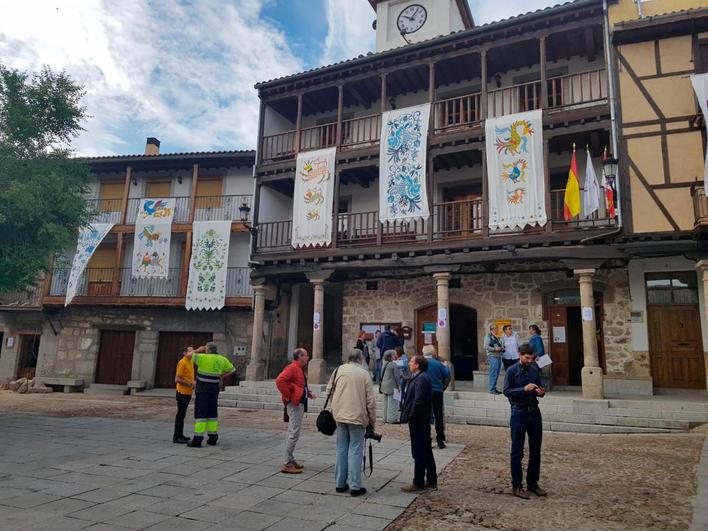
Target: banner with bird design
(515,171)
(153,231)
(403,194)
(314,197)
(89,240)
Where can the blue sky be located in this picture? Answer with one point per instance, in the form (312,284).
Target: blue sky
(184,71)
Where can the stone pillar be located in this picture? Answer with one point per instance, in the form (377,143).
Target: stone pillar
(591,373)
(702,268)
(9,356)
(442,281)
(317,369)
(255,372)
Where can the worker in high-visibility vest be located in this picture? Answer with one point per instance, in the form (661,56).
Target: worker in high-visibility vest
(211,368)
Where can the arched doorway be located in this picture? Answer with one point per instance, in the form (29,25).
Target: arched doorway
(463,336)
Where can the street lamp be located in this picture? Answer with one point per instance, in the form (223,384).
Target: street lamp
(610,165)
(243,212)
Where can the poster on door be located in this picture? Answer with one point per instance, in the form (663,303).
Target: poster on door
(559,334)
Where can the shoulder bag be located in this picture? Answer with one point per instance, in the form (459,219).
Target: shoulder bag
(325,420)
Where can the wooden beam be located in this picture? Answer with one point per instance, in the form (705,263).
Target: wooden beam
(485,195)
(544,82)
(184,272)
(340,111)
(115,281)
(334,215)
(126,193)
(358,97)
(298,124)
(261,126)
(193,192)
(484,76)
(547,181)
(589,44)
(384,92)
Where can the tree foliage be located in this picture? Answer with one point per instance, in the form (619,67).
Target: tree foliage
(42,189)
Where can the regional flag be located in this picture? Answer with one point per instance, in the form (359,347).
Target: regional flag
(571,199)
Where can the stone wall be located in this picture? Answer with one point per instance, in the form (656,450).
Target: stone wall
(514,296)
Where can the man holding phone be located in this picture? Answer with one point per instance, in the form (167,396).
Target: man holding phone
(522,386)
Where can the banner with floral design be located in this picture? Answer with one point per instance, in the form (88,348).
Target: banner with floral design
(153,231)
(402,164)
(313,199)
(206,289)
(89,239)
(515,171)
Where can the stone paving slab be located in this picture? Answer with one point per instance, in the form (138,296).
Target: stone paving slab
(99,473)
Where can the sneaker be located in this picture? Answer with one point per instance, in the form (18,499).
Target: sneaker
(442,445)
(345,488)
(521,493)
(412,488)
(290,469)
(180,440)
(297,465)
(357,492)
(538,491)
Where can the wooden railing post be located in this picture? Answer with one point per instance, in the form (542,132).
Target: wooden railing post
(485,195)
(340,112)
(261,128)
(126,193)
(544,83)
(483,92)
(335,210)
(298,124)
(547,179)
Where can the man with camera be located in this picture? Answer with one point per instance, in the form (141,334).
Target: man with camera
(354,409)
(416,412)
(522,386)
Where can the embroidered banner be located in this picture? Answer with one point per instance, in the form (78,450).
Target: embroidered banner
(700,86)
(312,203)
(515,171)
(153,230)
(89,239)
(206,289)
(402,164)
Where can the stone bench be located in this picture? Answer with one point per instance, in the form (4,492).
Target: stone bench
(136,385)
(69,384)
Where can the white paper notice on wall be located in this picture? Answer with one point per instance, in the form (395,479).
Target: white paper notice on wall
(427,338)
(316,320)
(442,314)
(587,313)
(559,334)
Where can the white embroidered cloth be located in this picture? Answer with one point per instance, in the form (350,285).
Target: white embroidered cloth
(89,240)
(208,266)
(153,231)
(515,171)
(313,198)
(402,164)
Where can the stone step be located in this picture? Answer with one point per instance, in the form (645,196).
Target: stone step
(106,389)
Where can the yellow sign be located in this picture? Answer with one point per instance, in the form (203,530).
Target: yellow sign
(501,323)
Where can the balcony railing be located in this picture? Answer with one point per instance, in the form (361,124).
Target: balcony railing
(181,213)
(150,287)
(452,220)
(700,205)
(453,113)
(106,210)
(278,147)
(361,132)
(222,208)
(318,137)
(94,282)
(238,282)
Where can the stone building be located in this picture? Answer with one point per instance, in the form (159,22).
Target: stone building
(600,287)
(128,332)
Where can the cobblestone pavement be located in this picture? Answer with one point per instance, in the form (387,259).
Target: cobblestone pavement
(700,502)
(102,473)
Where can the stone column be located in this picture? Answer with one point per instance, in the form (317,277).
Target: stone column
(9,356)
(255,371)
(702,268)
(317,369)
(591,373)
(442,281)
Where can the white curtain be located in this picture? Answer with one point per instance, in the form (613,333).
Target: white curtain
(515,171)
(153,231)
(700,86)
(89,240)
(313,198)
(402,164)
(208,266)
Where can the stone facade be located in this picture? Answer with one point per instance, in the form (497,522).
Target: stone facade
(73,350)
(514,296)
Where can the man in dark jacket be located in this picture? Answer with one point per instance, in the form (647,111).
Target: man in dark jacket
(416,412)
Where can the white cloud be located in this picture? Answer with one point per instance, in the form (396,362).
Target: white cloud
(485,11)
(181,72)
(350,33)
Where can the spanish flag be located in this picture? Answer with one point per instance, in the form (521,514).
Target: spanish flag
(571,200)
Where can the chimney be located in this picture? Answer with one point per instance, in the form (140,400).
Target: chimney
(152,146)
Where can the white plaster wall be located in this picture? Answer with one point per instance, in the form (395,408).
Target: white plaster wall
(439,22)
(239,249)
(637,269)
(275,123)
(274,206)
(363,199)
(239,181)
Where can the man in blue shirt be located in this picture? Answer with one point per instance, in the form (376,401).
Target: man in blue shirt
(439,375)
(522,386)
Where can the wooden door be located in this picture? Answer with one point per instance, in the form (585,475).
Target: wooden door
(115,357)
(169,353)
(100,271)
(110,196)
(29,352)
(426,325)
(675,346)
(559,344)
(158,189)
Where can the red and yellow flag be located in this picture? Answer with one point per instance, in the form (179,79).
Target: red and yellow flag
(571,199)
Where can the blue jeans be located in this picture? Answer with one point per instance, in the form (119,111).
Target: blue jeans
(350,455)
(377,370)
(525,421)
(495,364)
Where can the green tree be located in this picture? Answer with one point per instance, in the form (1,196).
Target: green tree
(42,189)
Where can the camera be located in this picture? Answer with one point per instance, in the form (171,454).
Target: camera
(371,434)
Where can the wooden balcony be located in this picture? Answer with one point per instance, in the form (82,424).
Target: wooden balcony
(454,220)
(700,206)
(450,114)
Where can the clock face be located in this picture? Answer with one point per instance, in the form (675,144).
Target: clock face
(412,18)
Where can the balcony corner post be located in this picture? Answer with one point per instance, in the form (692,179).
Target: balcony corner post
(483,91)
(544,82)
(340,112)
(126,194)
(335,210)
(298,124)
(547,179)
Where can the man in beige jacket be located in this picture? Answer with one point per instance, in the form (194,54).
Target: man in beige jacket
(354,408)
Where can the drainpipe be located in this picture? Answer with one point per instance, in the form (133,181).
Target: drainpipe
(639,8)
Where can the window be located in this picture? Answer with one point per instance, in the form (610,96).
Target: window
(158,189)
(208,193)
(110,197)
(672,288)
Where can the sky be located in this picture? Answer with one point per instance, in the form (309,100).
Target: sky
(183,71)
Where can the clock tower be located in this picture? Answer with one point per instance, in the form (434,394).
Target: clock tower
(401,22)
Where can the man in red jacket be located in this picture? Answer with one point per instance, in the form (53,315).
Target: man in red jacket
(292,384)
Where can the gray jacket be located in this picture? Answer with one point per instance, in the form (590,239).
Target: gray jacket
(390,377)
(489,349)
